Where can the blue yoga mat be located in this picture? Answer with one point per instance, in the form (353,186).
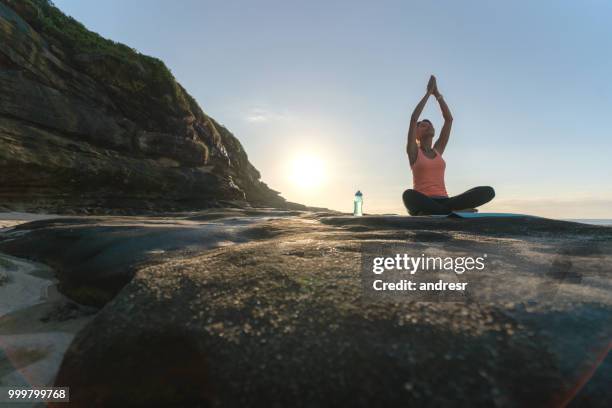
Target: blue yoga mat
(484,215)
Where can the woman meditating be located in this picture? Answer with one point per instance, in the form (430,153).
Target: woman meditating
(429,195)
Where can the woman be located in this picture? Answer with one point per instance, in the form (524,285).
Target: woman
(429,195)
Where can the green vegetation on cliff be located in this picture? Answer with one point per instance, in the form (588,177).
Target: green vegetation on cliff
(141,84)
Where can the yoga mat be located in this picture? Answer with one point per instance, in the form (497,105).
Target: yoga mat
(484,215)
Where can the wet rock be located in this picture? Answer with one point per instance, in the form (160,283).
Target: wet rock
(95,257)
(4,277)
(63,311)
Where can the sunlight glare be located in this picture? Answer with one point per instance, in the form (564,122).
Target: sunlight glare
(307,171)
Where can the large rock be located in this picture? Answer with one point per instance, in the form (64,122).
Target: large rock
(94,257)
(280,318)
(87,124)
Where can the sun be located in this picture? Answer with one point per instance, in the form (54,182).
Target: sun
(307,171)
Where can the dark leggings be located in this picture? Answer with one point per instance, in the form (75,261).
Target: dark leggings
(419,204)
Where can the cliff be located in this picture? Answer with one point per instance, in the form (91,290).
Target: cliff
(90,125)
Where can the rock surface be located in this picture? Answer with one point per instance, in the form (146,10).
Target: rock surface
(104,252)
(279,317)
(89,125)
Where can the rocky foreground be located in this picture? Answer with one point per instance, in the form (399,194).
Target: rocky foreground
(266,308)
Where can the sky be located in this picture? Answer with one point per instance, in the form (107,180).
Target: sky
(320,93)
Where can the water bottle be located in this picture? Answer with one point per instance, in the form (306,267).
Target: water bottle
(358,204)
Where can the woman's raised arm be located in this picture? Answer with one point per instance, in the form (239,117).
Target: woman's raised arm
(440,144)
(411,145)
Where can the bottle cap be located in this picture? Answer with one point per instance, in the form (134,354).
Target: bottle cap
(358,193)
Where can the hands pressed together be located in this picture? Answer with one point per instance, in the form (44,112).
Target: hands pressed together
(432,87)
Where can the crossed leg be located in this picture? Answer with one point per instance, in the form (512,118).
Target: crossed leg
(472,198)
(419,204)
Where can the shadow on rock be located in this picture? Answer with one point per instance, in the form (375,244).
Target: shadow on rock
(141,369)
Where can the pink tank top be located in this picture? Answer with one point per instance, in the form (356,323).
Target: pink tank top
(428,175)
